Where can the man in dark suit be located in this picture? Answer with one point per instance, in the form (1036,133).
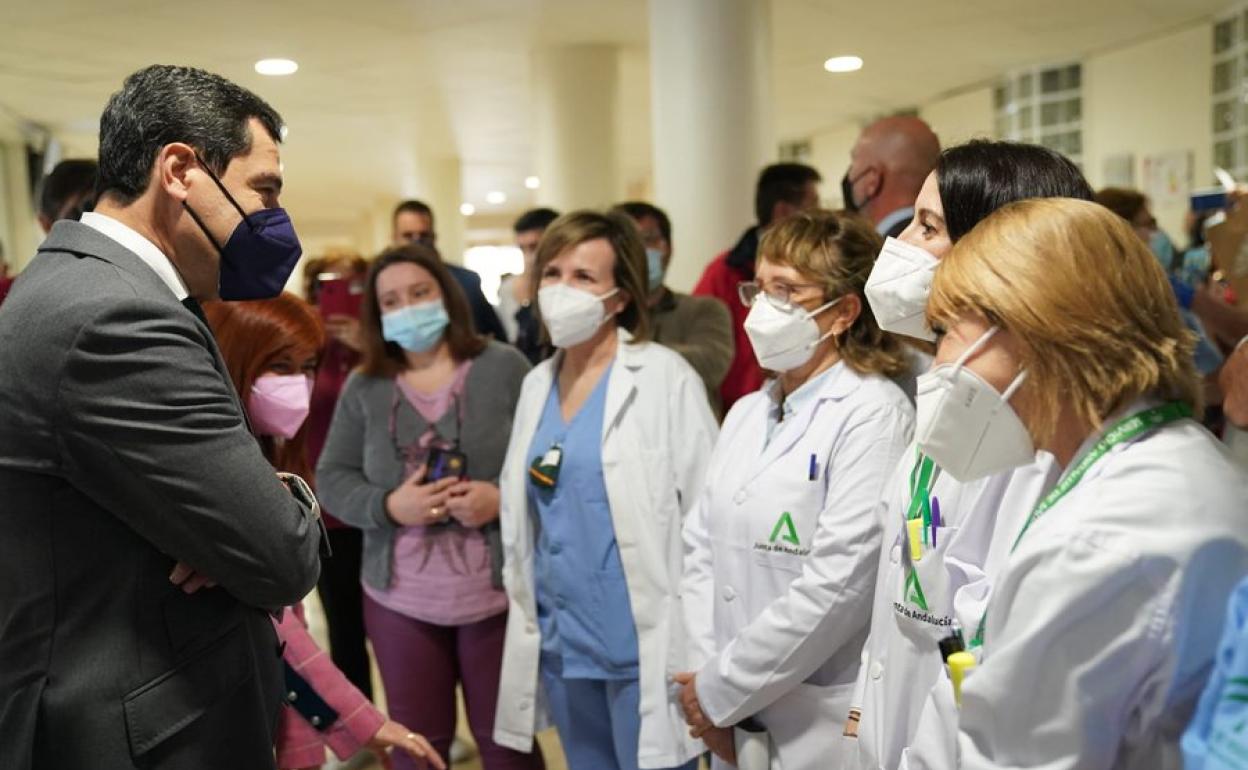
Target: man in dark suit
(124,452)
(413,223)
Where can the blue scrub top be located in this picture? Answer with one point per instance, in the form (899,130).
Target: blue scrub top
(1217,738)
(583,611)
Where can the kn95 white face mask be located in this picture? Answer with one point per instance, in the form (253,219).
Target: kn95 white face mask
(966,426)
(571,315)
(898,287)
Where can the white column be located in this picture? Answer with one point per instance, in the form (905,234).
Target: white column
(18,227)
(575,90)
(441,183)
(710,75)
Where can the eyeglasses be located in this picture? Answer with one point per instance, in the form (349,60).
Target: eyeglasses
(780,295)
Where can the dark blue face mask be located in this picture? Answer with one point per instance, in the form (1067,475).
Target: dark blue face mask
(260,254)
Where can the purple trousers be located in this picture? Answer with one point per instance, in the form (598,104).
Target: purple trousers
(420,665)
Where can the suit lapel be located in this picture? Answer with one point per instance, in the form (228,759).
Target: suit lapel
(72,237)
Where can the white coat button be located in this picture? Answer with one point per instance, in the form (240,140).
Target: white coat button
(877,670)
(895,555)
(530,628)
(729,594)
(524,704)
(741,496)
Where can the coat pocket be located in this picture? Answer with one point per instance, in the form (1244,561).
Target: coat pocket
(161,708)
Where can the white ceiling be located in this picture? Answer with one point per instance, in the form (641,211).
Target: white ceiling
(385,83)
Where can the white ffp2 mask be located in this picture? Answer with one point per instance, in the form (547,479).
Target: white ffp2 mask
(966,426)
(898,287)
(571,315)
(783,339)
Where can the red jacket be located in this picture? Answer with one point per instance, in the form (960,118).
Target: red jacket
(337,361)
(720,280)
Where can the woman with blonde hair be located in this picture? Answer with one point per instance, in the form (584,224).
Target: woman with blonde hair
(781,549)
(1058,331)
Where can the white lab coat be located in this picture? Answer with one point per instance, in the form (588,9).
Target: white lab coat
(900,662)
(1104,622)
(658,431)
(777,625)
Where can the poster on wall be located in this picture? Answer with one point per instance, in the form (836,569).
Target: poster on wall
(1119,170)
(1168,178)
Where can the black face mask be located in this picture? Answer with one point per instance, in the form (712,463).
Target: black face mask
(847,193)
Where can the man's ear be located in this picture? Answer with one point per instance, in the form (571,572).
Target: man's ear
(175,163)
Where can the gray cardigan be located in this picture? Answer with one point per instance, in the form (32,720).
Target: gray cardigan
(359,465)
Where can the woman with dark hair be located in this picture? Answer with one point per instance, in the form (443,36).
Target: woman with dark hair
(611,440)
(413,459)
(944,540)
(270,348)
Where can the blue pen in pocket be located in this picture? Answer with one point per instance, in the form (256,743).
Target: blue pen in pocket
(935,519)
(814,468)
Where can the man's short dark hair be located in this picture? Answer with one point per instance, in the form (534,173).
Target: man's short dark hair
(535,219)
(71,182)
(161,104)
(413,207)
(781,182)
(641,210)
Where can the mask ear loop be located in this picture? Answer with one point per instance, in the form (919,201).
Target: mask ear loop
(1014,386)
(221,187)
(975,347)
(811,315)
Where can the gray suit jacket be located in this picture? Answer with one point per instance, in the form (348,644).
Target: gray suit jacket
(123,450)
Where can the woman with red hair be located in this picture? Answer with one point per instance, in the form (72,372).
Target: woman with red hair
(271,348)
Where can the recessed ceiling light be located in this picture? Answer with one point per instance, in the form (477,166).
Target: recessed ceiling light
(276,67)
(467,209)
(496,197)
(532,182)
(843,64)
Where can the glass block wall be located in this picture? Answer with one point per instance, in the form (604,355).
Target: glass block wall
(1043,105)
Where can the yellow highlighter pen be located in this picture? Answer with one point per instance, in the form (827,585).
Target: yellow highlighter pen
(960,664)
(914,532)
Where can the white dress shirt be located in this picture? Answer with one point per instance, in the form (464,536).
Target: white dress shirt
(144,249)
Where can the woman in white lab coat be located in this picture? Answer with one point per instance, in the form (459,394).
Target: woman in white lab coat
(1103,624)
(610,442)
(966,527)
(781,547)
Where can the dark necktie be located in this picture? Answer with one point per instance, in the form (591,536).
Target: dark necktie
(191,304)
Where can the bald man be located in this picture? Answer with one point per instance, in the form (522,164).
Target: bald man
(887,167)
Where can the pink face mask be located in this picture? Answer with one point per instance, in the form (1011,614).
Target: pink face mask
(279,403)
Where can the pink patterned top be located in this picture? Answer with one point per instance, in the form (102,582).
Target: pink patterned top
(441,573)
(299,744)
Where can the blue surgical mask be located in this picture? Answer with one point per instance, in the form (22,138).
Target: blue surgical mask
(416,328)
(654,264)
(260,254)
(1162,248)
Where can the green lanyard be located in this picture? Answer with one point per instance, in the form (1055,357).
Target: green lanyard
(1122,431)
(922,477)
